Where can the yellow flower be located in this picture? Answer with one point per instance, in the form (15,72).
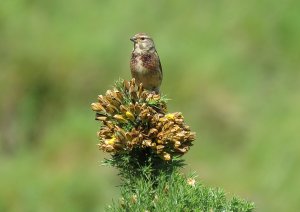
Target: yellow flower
(170,116)
(129,115)
(111,141)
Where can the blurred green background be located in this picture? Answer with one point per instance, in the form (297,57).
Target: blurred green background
(231,67)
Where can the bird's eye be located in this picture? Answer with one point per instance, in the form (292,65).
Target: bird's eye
(142,38)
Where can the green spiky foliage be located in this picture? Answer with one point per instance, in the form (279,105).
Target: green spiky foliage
(175,192)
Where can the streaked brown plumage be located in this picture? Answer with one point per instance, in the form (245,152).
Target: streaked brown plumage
(145,64)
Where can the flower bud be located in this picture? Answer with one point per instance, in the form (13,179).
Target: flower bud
(120,118)
(97,107)
(130,115)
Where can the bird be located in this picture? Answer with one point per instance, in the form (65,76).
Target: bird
(145,63)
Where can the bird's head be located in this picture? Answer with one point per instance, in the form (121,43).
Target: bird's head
(142,43)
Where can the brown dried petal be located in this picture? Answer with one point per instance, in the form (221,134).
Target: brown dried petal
(159,125)
(109,108)
(147,143)
(177,144)
(115,108)
(186,127)
(178,115)
(128,136)
(181,134)
(175,128)
(123,109)
(144,95)
(137,108)
(114,102)
(141,136)
(156,97)
(126,85)
(101,117)
(109,124)
(135,140)
(120,134)
(192,136)
(105,133)
(120,118)
(101,99)
(140,90)
(108,92)
(132,82)
(118,96)
(152,132)
(168,125)
(182,150)
(178,121)
(107,148)
(159,147)
(133,93)
(131,107)
(97,107)
(160,135)
(118,147)
(134,132)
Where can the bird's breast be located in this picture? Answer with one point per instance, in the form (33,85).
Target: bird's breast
(140,68)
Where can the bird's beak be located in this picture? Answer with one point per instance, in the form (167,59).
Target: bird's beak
(133,39)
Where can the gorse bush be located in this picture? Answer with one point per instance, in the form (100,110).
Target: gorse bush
(146,143)
(137,126)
